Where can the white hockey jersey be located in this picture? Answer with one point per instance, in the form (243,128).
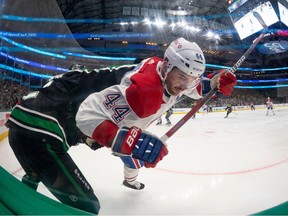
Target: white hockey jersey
(139,100)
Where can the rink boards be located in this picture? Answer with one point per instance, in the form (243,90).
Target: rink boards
(5,115)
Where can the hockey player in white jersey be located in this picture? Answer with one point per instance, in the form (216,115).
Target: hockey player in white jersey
(126,110)
(269,106)
(42,127)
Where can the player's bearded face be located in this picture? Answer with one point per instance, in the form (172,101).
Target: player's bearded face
(177,82)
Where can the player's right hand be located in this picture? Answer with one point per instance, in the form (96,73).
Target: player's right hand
(140,144)
(224,80)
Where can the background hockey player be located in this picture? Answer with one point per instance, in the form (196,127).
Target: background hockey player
(168,113)
(229,110)
(205,109)
(40,134)
(193,104)
(252,106)
(269,105)
(159,121)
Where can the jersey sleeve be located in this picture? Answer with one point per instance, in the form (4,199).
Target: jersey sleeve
(105,132)
(144,95)
(137,101)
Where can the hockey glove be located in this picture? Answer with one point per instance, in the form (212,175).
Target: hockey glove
(141,145)
(224,81)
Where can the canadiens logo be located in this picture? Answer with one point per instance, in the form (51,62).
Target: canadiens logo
(177,44)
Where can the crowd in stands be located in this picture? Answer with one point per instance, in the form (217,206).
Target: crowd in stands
(11,92)
(240,97)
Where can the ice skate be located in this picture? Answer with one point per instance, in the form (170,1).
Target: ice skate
(136,185)
(159,121)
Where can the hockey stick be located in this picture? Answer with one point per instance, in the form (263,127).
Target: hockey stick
(210,94)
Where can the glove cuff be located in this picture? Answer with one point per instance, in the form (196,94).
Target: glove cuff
(214,79)
(125,140)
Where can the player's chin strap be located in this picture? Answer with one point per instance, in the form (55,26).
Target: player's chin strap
(193,85)
(163,78)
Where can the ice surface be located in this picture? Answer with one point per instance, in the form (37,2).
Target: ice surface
(226,166)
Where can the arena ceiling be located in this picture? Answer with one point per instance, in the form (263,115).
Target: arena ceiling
(212,14)
(206,15)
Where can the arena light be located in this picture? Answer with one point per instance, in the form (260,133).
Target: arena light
(147,21)
(35,64)
(31,49)
(159,23)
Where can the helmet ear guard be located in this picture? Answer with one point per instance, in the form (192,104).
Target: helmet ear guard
(186,56)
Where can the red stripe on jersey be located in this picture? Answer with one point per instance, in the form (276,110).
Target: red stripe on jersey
(199,89)
(105,132)
(137,163)
(144,95)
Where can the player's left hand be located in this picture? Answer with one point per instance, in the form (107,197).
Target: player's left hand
(140,145)
(224,81)
(150,149)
